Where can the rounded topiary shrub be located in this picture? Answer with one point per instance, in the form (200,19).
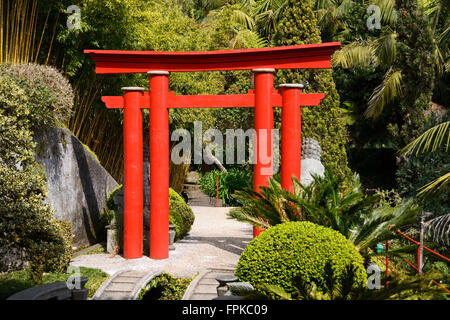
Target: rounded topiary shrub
(289,249)
(180,213)
(50,95)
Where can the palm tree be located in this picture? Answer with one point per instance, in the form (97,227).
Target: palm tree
(381,51)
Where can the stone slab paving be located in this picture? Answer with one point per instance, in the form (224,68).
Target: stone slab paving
(215,242)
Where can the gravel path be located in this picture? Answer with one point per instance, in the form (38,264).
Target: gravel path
(215,242)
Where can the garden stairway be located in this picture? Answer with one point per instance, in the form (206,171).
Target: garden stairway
(195,196)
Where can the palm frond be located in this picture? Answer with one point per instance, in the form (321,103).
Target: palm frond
(430,140)
(435,186)
(355,54)
(243,19)
(274,290)
(388,91)
(388,13)
(438,230)
(380,224)
(386,48)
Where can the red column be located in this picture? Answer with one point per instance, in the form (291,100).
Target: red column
(133,173)
(291,143)
(159,165)
(263,169)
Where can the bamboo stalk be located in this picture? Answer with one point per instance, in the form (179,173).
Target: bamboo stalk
(51,41)
(42,34)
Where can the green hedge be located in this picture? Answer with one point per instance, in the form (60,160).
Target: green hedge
(281,252)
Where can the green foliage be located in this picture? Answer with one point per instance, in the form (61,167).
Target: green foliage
(420,170)
(164,287)
(25,221)
(231,181)
(13,282)
(404,50)
(182,214)
(426,166)
(365,220)
(323,123)
(326,201)
(49,93)
(290,249)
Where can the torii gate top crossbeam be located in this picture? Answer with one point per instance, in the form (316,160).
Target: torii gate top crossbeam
(212,101)
(287,57)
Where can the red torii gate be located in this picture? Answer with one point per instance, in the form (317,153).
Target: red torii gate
(263,98)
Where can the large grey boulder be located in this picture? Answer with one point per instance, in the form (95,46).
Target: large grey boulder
(310,163)
(78,186)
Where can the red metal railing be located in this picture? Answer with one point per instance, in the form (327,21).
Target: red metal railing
(217,199)
(417,268)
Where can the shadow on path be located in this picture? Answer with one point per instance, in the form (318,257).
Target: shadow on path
(234,245)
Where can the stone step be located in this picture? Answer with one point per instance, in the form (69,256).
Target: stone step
(206,288)
(210,281)
(133,274)
(121,286)
(114,295)
(191,186)
(201,296)
(126,279)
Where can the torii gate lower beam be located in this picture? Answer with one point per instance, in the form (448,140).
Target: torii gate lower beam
(158,100)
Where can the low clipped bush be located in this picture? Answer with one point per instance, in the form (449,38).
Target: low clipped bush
(289,249)
(49,93)
(180,214)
